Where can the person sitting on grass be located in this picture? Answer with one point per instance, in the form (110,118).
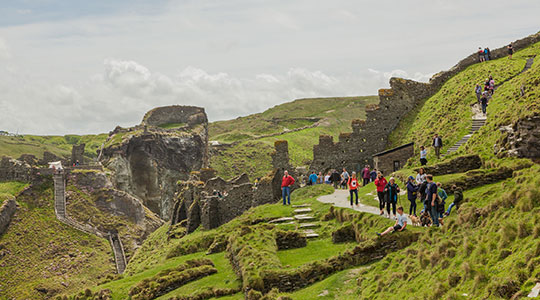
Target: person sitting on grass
(401,223)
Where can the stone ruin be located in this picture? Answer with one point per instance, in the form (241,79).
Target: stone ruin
(198,204)
(355,149)
(77,154)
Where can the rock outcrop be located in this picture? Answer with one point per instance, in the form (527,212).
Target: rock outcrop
(148,160)
(522,139)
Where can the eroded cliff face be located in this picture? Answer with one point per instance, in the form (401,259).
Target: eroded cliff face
(147,160)
(92,199)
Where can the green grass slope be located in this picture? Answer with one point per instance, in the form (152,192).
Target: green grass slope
(15,146)
(41,257)
(251,138)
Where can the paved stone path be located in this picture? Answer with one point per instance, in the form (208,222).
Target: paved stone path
(340,199)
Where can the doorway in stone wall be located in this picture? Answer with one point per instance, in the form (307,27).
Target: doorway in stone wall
(396,165)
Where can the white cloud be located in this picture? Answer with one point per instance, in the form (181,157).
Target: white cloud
(4,50)
(126,90)
(247,55)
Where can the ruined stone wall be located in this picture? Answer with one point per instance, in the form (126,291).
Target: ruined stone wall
(16,170)
(196,205)
(77,154)
(7,209)
(354,150)
(385,161)
(189,115)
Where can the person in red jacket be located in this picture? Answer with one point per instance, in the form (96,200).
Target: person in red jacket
(380,183)
(353,187)
(286,184)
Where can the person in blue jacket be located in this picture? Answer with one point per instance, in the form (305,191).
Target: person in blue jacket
(312,178)
(412,194)
(391,189)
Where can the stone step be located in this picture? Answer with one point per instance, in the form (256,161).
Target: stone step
(312,235)
(282,220)
(301,205)
(309,225)
(286,223)
(304,218)
(302,210)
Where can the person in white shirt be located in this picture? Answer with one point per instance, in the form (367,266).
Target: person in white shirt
(421,176)
(401,223)
(423,156)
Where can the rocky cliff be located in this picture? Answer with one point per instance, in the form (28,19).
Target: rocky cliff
(147,160)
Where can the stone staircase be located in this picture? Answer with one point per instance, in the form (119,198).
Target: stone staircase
(476,125)
(478,119)
(59,195)
(61,215)
(118,250)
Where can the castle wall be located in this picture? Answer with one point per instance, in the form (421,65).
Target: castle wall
(354,150)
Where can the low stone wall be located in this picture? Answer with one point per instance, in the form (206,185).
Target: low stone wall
(292,280)
(457,165)
(290,240)
(6,212)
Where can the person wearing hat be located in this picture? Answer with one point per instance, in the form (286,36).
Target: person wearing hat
(412,194)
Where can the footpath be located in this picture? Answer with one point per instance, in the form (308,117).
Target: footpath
(340,198)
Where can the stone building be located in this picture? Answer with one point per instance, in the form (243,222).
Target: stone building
(355,149)
(394,159)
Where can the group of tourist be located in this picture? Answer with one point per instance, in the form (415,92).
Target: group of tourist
(341,180)
(483,97)
(485,54)
(422,188)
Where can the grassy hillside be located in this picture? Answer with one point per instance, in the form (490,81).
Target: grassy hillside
(249,140)
(59,145)
(449,111)
(488,249)
(40,257)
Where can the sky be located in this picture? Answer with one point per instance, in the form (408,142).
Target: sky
(80,67)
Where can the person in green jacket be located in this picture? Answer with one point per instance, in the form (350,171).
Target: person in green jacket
(442,196)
